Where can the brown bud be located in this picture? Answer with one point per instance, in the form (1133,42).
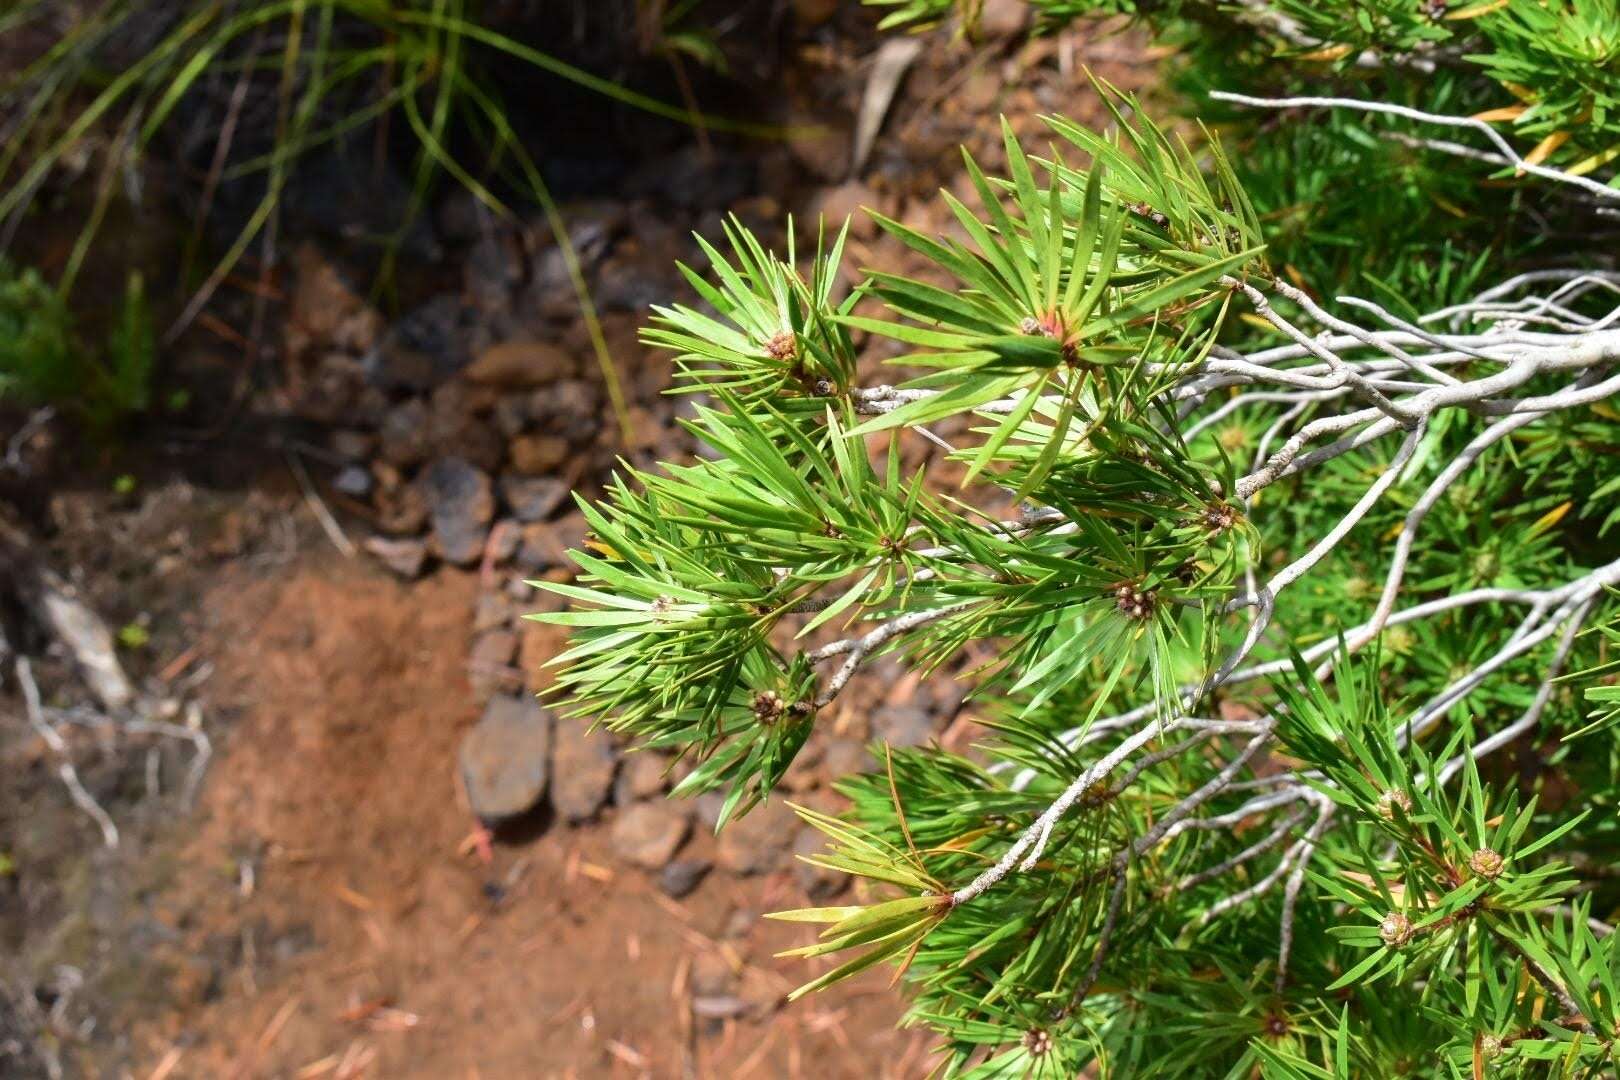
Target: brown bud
(1395,930)
(1133,603)
(783,346)
(1218,517)
(1389,800)
(767,707)
(1038,1042)
(1490,1046)
(1485,863)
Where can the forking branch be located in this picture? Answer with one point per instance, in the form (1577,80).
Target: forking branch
(1157,508)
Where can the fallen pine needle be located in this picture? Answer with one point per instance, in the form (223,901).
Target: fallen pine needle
(749,1063)
(627,1054)
(358,901)
(362,1010)
(166,1066)
(595,872)
(391,1019)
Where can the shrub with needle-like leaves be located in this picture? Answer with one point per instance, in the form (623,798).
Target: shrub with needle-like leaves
(1267,586)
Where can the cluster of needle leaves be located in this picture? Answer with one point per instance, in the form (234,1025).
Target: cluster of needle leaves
(1071,311)
(1446,924)
(1551,63)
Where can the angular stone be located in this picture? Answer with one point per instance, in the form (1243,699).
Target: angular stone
(353,481)
(682,876)
(641,777)
(504,539)
(533,455)
(903,725)
(547,543)
(495,648)
(489,666)
(492,611)
(533,498)
(460,505)
(512,416)
(585,762)
(521,364)
(505,758)
(426,346)
(755,842)
(403,439)
(404,557)
(324,311)
(818,882)
(648,834)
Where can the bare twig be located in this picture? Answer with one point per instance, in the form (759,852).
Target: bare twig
(1504,147)
(64,769)
(334,532)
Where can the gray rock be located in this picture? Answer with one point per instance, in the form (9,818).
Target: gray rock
(585,762)
(845,757)
(505,758)
(642,777)
(458,426)
(722,1007)
(533,498)
(460,505)
(682,876)
(403,438)
(404,557)
(756,842)
(491,612)
(818,882)
(489,666)
(546,543)
(648,834)
(354,481)
(504,539)
(426,346)
(903,725)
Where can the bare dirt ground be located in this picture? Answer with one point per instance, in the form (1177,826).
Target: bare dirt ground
(367,933)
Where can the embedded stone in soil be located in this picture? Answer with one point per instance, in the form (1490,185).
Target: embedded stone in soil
(647,834)
(460,505)
(682,876)
(505,758)
(521,364)
(756,842)
(903,725)
(584,763)
(533,498)
(404,557)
